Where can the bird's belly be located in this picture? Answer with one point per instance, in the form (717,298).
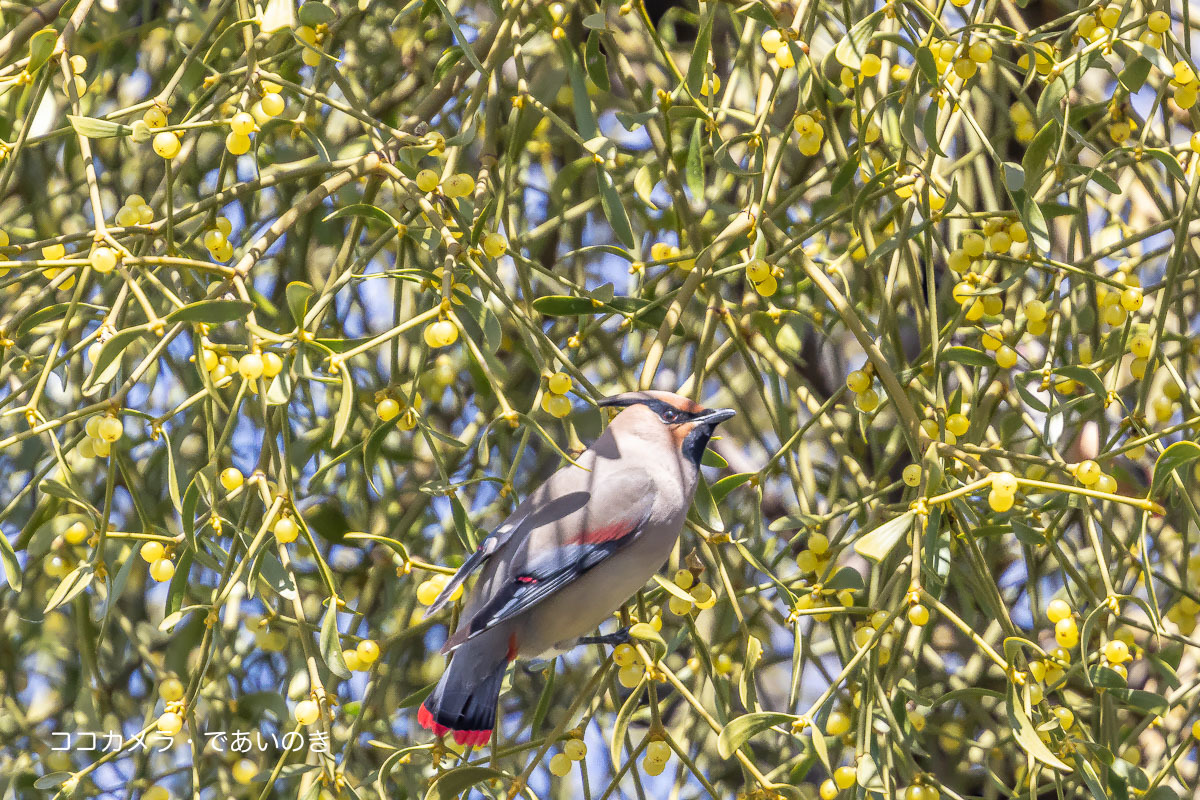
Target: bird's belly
(578,609)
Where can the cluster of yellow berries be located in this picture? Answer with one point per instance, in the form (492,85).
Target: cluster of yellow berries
(429,589)
(216,240)
(859,383)
(250,366)
(775,42)
(762,276)
(1003,492)
(171,720)
(815,557)
(457,185)
(360,657)
(663,252)
(1042,61)
(1117,304)
(808,126)
(78,65)
(1066,631)
(162,568)
(957,424)
(997,238)
(312,38)
(135,212)
(1185,610)
(703,596)
(574,749)
(1101,23)
(442,333)
(964,58)
(1184,85)
(555,401)
(866,630)
(658,753)
(103,430)
(388,407)
(993,342)
(1022,120)
(843,778)
(1089,474)
(56,252)
(237,141)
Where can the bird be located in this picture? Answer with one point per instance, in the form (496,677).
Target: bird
(570,554)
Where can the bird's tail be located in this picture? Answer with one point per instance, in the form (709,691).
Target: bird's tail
(464,701)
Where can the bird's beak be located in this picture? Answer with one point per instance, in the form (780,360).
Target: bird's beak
(715,417)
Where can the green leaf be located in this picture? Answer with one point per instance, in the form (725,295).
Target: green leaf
(72,584)
(212,312)
(298,296)
(314,14)
(452,24)
(846,578)
(345,406)
(1134,74)
(1034,160)
(614,210)
(1105,678)
(1027,736)
(1177,455)
(1142,700)
(879,542)
(624,717)
(12,567)
(94,128)
(742,729)
(455,782)
(108,361)
(927,64)
(643,185)
(673,588)
(41,47)
(52,780)
(179,581)
(698,66)
(366,211)
(967,355)
(694,167)
(706,507)
(853,46)
(1085,376)
(727,484)
(331,641)
(1169,161)
(595,63)
(712,458)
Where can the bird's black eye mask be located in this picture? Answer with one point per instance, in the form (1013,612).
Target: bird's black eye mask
(665,411)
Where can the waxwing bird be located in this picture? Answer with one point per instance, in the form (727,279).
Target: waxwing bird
(571,553)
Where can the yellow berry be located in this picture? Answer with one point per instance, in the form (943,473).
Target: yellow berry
(428,591)
(54,252)
(630,676)
(1116,651)
(958,424)
(1066,717)
(558,405)
(624,654)
(1066,633)
(154,117)
(285,530)
(973,245)
(1006,357)
(367,651)
(980,52)
(170,724)
(918,615)
(758,270)
(272,364)
(858,381)
(242,124)
(868,401)
(679,606)
(999,501)
(458,185)
(237,143)
(250,366)
(771,40)
(912,475)
(870,65)
(1087,472)
(162,570)
(272,104)
(306,712)
(427,180)
(845,777)
(244,771)
(387,409)
(575,749)
(684,579)
(495,245)
(767,287)
(166,144)
(171,689)
(1058,610)
(231,478)
(110,429)
(784,57)
(1004,482)
(103,260)
(76,533)
(837,724)
(151,552)
(559,383)
(828,790)
(560,765)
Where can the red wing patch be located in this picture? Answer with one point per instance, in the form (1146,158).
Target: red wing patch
(607,533)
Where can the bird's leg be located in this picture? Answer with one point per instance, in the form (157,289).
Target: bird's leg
(616,637)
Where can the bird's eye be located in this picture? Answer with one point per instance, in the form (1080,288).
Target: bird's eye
(670,415)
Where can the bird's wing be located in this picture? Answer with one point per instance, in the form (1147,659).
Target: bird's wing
(564,494)
(554,549)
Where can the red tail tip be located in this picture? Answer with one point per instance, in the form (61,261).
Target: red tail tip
(465,738)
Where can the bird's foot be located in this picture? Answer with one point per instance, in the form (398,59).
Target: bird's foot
(616,637)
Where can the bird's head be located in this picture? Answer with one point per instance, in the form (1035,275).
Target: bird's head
(687,424)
